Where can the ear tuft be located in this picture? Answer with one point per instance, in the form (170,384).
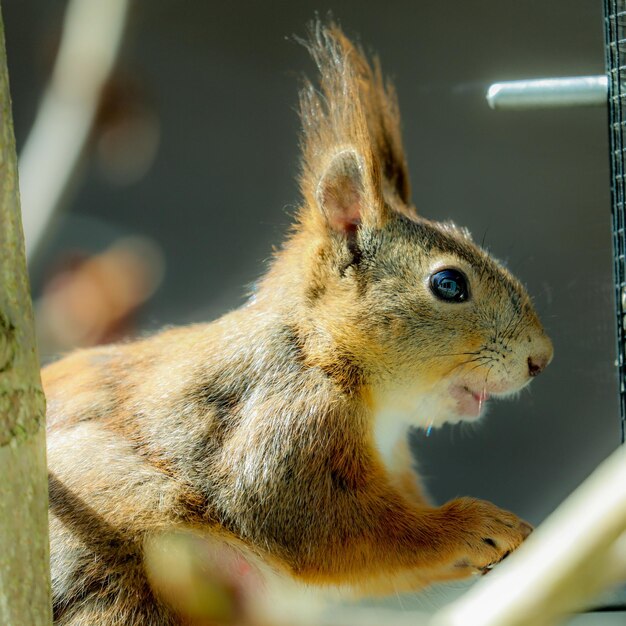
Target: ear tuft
(341,192)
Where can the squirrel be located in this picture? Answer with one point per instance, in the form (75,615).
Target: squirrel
(262,428)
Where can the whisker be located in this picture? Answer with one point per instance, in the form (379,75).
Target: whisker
(508,326)
(468,361)
(513,330)
(477,366)
(438,356)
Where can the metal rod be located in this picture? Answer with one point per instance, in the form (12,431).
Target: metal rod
(545,93)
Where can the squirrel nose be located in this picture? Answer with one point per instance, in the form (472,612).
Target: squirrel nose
(536,365)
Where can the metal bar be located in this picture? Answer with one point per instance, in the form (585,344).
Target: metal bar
(542,93)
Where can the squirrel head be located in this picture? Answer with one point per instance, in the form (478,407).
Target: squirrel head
(409,311)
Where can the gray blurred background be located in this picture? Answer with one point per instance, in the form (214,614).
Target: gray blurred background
(204,156)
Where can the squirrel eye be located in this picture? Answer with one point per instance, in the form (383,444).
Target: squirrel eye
(449,285)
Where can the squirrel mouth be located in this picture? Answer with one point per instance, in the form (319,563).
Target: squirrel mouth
(468,402)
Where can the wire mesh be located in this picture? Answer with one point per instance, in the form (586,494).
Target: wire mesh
(615,37)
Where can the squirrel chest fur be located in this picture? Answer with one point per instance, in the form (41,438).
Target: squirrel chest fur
(261,427)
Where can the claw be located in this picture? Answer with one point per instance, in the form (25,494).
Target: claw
(486,569)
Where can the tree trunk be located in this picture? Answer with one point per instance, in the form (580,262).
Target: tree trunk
(24,552)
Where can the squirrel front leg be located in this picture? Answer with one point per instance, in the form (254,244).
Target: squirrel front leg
(379,541)
(311,493)
(405,478)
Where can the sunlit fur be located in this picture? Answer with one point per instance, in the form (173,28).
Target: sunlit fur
(261,427)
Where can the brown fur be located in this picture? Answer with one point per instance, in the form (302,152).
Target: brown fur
(260,427)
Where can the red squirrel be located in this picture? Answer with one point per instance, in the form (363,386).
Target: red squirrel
(262,428)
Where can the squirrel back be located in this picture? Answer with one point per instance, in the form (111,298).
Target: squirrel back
(261,427)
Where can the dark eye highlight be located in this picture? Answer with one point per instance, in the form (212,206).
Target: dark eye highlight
(449,285)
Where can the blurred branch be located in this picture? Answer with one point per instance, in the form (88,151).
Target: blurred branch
(578,552)
(92,34)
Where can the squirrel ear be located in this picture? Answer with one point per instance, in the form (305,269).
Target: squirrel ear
(345,193)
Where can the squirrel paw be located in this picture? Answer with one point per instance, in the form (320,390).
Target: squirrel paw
(488,534)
